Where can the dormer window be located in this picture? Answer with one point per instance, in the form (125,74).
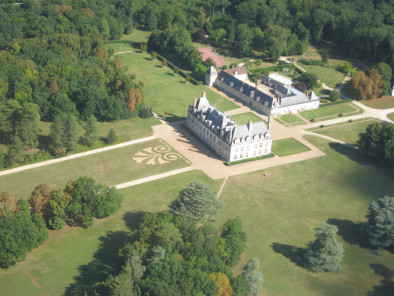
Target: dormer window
(241,89)
(231,84)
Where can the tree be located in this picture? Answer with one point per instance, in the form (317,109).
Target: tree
(90,136)
(244,38)
(223,287)
(253,277)
(28,126)
(39,198)
(137,268)
(15,151)
(301,86)
(277,41)
(325,55)
(387,74)
(235,240)
(375,77)
(57,209)
(334,96)
(219,36)
(111,136)
(2,159)
(71,132)
(8,204)
(56,134)
(380,225)
(197,202)
(310,79)
(325,253)
(122,284)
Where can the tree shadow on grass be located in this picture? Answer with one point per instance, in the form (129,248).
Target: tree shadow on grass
(133,219)
(105,262)
(351,232)
(351,153)
(295,254)
(386,286)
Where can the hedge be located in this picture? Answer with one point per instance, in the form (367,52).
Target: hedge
(228,163)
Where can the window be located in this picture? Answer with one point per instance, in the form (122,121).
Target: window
(241,155)
(254,153)
(246,155)
(260,152)
(265,151)
(261,145)
(242,148)
(236,150)
(235,157)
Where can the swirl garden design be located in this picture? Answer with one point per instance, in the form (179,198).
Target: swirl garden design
(161,154)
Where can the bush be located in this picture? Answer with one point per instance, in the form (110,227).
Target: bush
(146,112)
(111,136)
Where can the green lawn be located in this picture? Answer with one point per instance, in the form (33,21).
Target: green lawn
(330,76)
(328,112)
(49,269)
(110,168)
(381,103)
(391,116)
(168,93)
(290,118)
(244,118)
(348,132)
(287,147)
(281,210)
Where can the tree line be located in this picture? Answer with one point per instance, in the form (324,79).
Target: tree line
(23,223)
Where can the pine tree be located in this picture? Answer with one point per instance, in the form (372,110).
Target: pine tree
(196,202)
(90,136)
(123,283)
(15,151)
(71,132)
(254,277)
(111,136)
(380,225)
(325,253)
(56,134)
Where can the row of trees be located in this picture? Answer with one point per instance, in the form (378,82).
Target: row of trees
(178,252)
(23,223)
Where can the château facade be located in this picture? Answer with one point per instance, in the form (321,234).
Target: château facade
(277,99)
(231,141)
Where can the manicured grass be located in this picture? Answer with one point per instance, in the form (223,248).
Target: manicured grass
(380,103)
(328,112)
(281,210)
(391,116)
(348,132)
(330,76)
(168,93)
(287,147)
(49,269)
(290,118)
(110,168)
(244,118)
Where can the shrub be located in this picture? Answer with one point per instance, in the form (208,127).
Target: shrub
(111,136)
(146,112)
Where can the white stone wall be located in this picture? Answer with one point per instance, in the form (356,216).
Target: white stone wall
(295,108)
(249,149)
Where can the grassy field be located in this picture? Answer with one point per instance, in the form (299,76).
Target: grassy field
(281,211)
(330,112)
(50,268)
(330,76)
(287,147)
(391,116)
(290,118)
(348,132)
(168,93)
(110,168)
(381,103)
(244,118)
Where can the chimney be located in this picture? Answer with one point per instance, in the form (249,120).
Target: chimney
(252,93)
(269,123)
(195,103)
(204,94)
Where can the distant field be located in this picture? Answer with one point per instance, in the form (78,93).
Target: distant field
(168,93)
(386,102)
(330,76)
(328,112)
(348,132)
(50,268)
(244,118)
(110,168)
(287,147)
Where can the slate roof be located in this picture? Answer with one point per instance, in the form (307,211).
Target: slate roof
(251,130)
(245,88)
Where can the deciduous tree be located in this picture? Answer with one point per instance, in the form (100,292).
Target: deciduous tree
(39,198)
(91,129)
(253,276)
